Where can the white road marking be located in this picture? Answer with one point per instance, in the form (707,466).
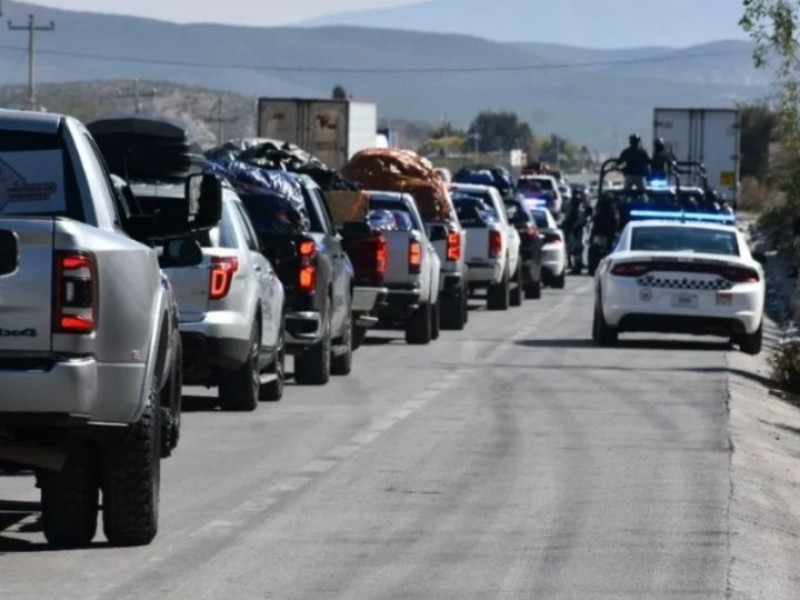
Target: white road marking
(319,466)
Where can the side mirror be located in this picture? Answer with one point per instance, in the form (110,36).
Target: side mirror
(437,233)
(204,195)
(356,230)
(183,252)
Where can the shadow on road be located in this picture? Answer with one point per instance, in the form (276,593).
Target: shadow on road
(629,344)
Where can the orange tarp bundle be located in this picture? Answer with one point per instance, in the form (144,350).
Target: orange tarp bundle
(388,170)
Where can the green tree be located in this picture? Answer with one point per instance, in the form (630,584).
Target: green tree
(773,25)
(759,124)
(499,132)
(339,93)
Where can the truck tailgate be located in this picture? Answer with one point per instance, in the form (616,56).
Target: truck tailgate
(397,272)
(26,298)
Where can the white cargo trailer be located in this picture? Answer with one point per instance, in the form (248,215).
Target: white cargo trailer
(332,130)
(708,136)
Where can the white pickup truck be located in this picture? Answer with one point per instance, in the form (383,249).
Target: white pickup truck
(493,245)
(413,270)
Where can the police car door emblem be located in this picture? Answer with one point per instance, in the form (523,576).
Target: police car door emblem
(646,295)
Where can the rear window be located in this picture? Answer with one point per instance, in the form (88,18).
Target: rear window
(685,239)
(223,236)
(403,216)
(542,222)
(36,176)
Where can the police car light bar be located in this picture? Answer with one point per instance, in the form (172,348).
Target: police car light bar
(666,215)
(658,184)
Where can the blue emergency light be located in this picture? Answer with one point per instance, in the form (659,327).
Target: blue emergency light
(658,184)
(672,215)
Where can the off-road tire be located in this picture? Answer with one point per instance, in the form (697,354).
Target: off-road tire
(419,326)
(171,406)
(239,390)
(70,500)
(518,290)
(131,480)
(602,333)
(751,343)
(498,297)
(313,366)
(342,364)
(273,391)
(436,321)
(452,313)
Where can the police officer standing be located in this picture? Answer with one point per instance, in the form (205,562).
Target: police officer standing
(635,165)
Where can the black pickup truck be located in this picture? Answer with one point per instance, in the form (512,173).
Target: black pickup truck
(308,255)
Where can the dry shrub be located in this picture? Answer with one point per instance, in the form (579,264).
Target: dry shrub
(785,363)
(752,195)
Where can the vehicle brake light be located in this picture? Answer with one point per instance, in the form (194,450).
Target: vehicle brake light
(223,268)
(495,244)
(381,257)
(75,294)
(414,257)
(454,246)
(630,269)
(307,248)
(308,278)
(741,275)
(552,238)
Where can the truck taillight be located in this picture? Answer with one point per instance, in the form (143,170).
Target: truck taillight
(307,248)
(454,246)
(223,268)
(75,297)
(414,257)
(307,277)
(381,257)
(495,244)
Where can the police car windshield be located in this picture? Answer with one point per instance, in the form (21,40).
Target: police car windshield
(684,239)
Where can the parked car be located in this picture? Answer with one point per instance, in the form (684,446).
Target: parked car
(413,269)
(531,243)
(92,367)
(554,251)
(493,246)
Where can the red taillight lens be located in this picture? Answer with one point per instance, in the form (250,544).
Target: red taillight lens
(495,244)
(454,246)
(223,268)
(552,238)
(307,281)
(381,257)
(741,275)
(75,294)
(630,269)
(528,233)
(307,249)
(414,257)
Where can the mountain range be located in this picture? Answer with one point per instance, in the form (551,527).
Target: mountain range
(614,24)
(594,96)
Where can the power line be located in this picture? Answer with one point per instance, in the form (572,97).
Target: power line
(386,70)
(32,28)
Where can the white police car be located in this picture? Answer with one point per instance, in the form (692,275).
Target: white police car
(680,273)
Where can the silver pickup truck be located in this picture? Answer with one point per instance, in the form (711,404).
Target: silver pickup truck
(90,355)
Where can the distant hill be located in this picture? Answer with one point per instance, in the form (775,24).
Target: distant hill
(592,23)
(596,104)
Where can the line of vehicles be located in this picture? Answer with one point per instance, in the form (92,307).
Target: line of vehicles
(131,266)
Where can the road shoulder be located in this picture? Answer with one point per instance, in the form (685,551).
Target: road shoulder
(765,482)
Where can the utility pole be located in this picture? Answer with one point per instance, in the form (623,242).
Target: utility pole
(137,95)
(32,28)
(221,120)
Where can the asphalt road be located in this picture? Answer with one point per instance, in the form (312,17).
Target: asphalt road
(514,460)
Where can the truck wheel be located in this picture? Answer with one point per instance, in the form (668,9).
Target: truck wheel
(517,291)
(418,327)
(499,295)
(239,390)
(602,333)
(171,397)
(313,366)
(452,312)
(560,282)
(131,477)
(533,291)
(70,500)
(342,364)
(273,391)
(752,343)
(436,321)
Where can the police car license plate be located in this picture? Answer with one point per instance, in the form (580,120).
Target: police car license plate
(685,300)
(724,299)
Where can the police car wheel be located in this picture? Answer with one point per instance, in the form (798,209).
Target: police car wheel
(602,333)
(752,343)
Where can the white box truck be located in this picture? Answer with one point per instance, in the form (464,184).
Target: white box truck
(708,136)
(332,130)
